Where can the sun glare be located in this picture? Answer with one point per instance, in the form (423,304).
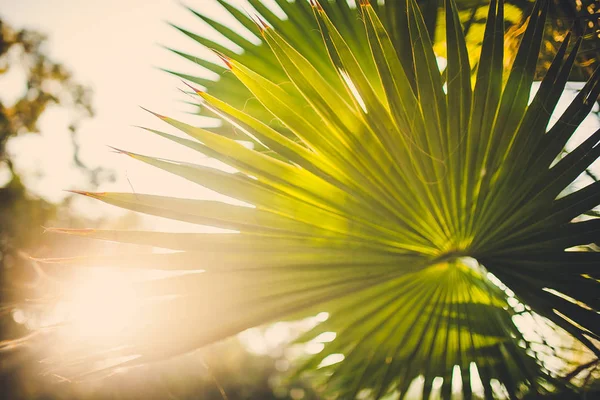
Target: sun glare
(100,306)
(94,310)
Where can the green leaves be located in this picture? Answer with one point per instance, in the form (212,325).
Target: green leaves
(396,197)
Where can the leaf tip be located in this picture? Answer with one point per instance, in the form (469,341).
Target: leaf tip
(69,231)
(153,113)
(120,151)
(262,24)
(196,90)
(316,4)
(226,60)
(86,193)
(76,191)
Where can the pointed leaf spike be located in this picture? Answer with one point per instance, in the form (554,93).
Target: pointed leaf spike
(153,113)
(226,60)
(263,24)
(115,149)
(120,151)
(196,90)
(68,231)
(86,193)
(252,17)
(76,191)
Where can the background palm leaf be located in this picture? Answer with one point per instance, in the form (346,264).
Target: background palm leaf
(398,199)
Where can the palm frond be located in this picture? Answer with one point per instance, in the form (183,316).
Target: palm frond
(402,201)
(302,32)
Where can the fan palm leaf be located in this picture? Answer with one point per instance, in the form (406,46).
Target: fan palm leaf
(414,207)
(301,30)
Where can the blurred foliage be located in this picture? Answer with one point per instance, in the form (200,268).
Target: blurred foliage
(46,83)
(225,371)
(579,16)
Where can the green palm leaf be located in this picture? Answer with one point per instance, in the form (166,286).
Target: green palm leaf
(302,32)
(396,203)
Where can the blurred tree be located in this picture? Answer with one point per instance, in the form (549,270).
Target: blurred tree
(45,83)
